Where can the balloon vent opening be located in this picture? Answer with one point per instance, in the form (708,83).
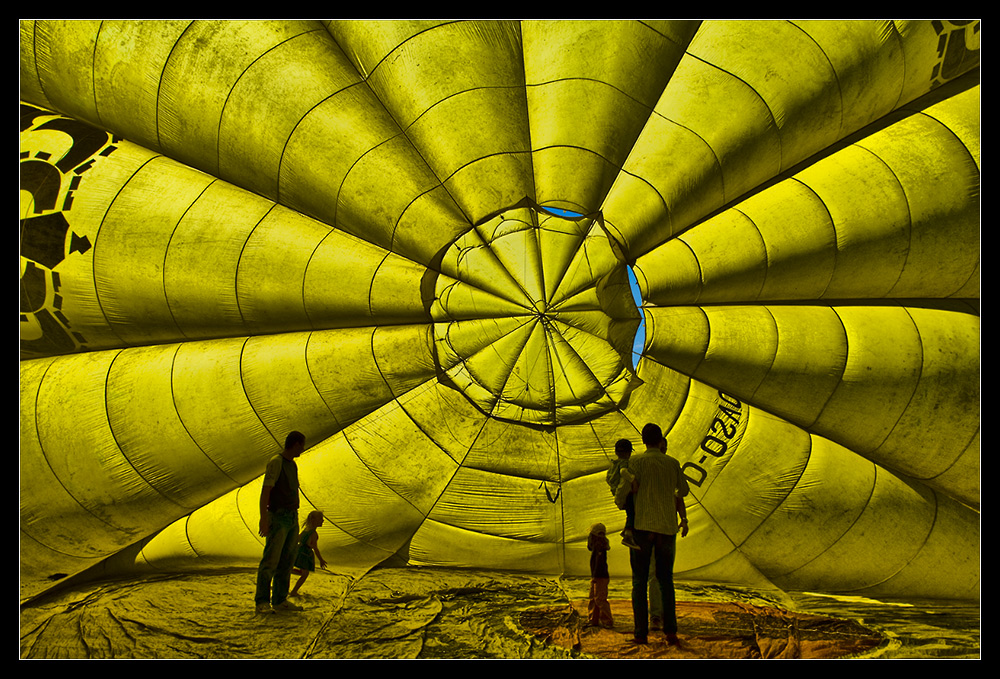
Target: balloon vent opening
(639,343)
(535,316)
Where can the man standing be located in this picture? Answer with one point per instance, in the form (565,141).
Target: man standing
(279,526)
(659,488)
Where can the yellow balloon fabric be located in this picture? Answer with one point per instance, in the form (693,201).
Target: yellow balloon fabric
(413,241)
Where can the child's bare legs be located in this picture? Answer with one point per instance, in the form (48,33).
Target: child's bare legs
(627,539)
(302,578)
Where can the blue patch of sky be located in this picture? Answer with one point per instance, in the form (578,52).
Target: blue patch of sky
(562,213)
(639,343)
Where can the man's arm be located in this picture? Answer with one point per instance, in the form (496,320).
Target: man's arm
(271,473)
(265,522)
(679,494)
(682,513)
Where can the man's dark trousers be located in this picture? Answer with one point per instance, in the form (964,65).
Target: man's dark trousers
(280,546)
(664,547)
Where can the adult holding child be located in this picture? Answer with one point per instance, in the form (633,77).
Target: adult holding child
(659,488)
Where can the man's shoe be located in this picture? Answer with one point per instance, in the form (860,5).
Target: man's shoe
(630,543)
(287,605)
(640,640)
(264,608)
(655,623)
(672,640)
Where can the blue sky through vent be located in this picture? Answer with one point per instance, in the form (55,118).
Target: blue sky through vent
(639,343)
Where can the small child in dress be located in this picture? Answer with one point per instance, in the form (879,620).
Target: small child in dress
(619,473)
(599,609)
(305,559)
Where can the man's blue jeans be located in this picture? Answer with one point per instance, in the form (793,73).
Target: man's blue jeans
(662,549)
(275,571)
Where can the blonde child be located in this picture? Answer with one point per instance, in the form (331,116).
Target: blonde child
(305,560)
(598,609)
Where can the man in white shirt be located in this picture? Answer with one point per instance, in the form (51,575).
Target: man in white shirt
(659,489)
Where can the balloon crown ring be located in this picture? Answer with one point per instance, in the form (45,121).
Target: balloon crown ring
(535,321)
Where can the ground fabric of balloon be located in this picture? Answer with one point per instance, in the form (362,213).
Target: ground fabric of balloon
(466,257)
(431,614)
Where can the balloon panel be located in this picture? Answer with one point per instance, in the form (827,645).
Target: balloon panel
(230,230)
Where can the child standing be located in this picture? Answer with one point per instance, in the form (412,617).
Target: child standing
(305,560)
(599,609)
(619,473)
